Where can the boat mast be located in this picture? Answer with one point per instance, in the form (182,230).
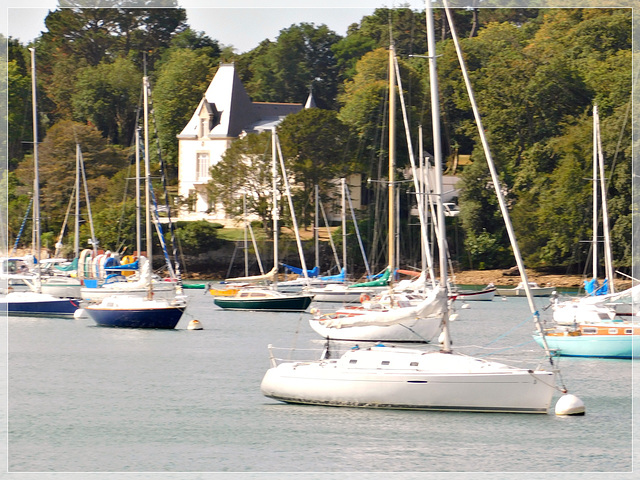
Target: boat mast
(36,178)
(608,259)
(147,185)
(344,221)
(76,240)
(437,153)
(316,226)
(594,238)
(274,214)
(138,206)
(496,184)
(392,159)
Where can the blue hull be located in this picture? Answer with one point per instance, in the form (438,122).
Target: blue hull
(63,307)
(601,346)
(164,318)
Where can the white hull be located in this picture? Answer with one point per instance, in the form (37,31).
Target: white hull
(65,287)
(166,291)
(520,292)
(420,331)
(480,295)
(387,377)
(343,294)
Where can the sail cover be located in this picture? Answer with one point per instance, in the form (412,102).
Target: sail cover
(431,307)
(299,271)
(255,278)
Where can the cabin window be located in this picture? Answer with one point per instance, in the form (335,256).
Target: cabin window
(628,331)
(352,361)
(385,362)
(202,165)
(613,331)
(414,364)
(590,330)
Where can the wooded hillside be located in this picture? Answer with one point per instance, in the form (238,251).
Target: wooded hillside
(537,73)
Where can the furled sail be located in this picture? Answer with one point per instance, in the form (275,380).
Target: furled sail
(255,278)
(433,306)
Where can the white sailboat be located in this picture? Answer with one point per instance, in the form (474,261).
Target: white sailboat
(400,319)
(391,377)
(34,302)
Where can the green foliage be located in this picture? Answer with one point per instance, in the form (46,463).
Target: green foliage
(301,58)
(107,96)
(198,237)
(486,251)
(181,81)
(245,168)
(317,144)
(536,75)
(115,228)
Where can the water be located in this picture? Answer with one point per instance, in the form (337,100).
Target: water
(89,399)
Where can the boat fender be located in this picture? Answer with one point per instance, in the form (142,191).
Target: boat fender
(569,405)
(364,298)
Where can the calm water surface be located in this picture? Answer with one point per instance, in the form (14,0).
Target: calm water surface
(89,399)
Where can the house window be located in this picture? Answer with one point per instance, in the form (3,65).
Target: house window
(202,165)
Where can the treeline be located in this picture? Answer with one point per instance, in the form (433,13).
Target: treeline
(536,72)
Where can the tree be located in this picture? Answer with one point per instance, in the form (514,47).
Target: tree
(301,58)
(19,109)
(57,162)
(107,95)
(318,147)
(96,34)
(245,168)
(181,81)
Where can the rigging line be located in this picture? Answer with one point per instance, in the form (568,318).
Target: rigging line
(160,233)
(333,246)
(86,193)
(64,223)
(166,191)
(24,222)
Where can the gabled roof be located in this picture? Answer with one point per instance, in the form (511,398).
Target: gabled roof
(237,113)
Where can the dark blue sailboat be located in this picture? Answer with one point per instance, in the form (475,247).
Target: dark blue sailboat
(34,302)
(141,311)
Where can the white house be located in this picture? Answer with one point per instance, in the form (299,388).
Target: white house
(225,113)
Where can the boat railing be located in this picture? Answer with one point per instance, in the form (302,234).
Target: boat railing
(278,355)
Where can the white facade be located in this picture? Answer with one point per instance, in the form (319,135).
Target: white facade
(225,113)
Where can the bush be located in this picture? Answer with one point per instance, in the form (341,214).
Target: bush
(198,237)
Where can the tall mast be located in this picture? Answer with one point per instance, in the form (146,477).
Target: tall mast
(147,172)
(138,206)
(316,227)
(274,179)
(76,240)
(594,238)
(392,158)
(437,153)
(36,178)
(608,258)
(344,221)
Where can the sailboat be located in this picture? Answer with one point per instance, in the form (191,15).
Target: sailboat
(34,302)
(269,299)
(137,311)
(401,317)
(61,277)
(411,378)
(595,325)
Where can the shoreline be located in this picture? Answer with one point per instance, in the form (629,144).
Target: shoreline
(500,279)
